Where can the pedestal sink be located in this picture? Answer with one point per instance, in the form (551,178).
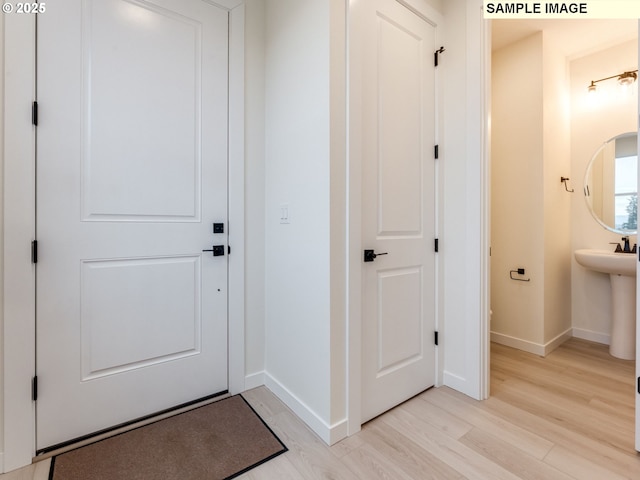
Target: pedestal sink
(621,268)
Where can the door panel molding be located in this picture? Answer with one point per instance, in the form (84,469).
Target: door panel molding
(102,319)
(102,91)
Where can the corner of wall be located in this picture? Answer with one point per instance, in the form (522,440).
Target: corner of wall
(330,433)
(254,192)
(338,218)
(557,200)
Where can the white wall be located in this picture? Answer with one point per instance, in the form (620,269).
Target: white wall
(517,217)
(304,327)
(530,207)
(593,123)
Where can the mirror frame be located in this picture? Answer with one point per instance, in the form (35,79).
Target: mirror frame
(585,188)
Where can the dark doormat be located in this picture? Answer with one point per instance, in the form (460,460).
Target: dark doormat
(217,441)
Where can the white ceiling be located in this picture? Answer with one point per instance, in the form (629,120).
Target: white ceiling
(575,37)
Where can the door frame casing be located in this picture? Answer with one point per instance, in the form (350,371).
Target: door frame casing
(354,234)
(19,227)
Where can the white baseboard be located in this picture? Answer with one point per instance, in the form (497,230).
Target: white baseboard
(514,342)
(330,434)
(454,381)
(592,336)
(536,348)
(556,342)
(254,380)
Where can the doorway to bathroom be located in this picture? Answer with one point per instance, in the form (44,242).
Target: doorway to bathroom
(545,128)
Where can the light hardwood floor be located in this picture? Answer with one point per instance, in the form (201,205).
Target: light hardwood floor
(567,416)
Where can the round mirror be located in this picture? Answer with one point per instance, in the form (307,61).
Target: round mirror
(611,184)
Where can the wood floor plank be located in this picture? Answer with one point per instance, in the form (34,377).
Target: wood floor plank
(623,463)
(450,424)
(41,470)
(458,456)
(510,457)
(566,374)
(597,394)
(26,473)
(581,468)
(527,441)
(279,468)
(346,446)
(608,428)
(614,407)
(308,454)
(264,402)
(367,462)
(412,459)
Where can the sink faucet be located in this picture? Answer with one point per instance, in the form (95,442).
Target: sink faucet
(626,248)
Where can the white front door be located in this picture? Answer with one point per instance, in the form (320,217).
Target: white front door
(131,177)
(398,216)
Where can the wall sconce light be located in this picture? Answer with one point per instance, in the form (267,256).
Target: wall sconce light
(624,79)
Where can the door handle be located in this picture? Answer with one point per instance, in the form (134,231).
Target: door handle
(370,255)
(217,250)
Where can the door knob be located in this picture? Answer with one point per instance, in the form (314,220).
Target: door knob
(370,255)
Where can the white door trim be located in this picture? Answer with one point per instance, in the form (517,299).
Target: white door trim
(18,347)
(485,215)
(354,233)
(19,228)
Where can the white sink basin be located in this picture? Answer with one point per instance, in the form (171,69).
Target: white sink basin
(608,262)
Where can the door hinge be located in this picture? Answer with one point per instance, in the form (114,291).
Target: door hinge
(638,385)
(34,388)
(228,249)
(435,245)
(34,251)
(435,337)
(34,113)
(436,55)
(435,151)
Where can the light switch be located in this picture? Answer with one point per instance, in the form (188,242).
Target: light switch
(284,213)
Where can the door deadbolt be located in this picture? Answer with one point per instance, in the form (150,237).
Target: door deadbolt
(370,255)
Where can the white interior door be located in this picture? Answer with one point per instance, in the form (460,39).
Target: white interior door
(398,217)
(131,176)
